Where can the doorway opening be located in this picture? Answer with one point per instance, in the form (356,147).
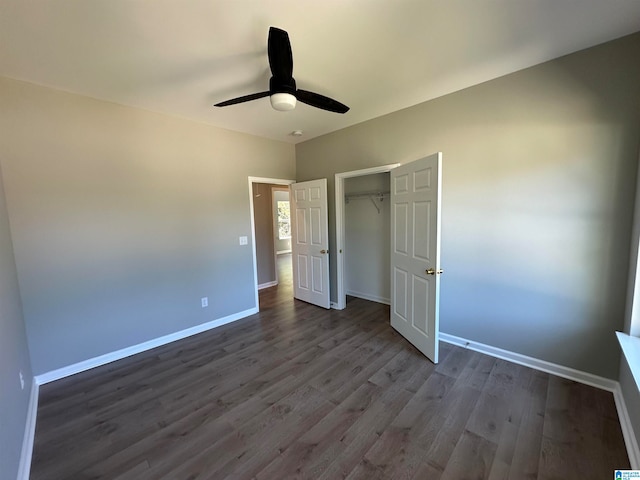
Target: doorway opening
(271,247)
(359,190)
(281,219)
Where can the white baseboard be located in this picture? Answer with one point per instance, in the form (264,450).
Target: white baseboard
(630,439)
(371,298)
(267,285)
(542,365)
(24,469)
(139,348)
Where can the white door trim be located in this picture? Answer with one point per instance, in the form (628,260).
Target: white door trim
(341,295)
(252,180)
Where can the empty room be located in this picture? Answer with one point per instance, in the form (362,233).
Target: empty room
(343,239)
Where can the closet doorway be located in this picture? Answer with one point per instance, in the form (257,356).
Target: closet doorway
(363,234)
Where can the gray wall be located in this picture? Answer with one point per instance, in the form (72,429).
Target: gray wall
(538,186)
(367,239)
(123,219)
(14,353)
(263,215)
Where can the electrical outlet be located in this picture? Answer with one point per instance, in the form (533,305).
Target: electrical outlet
(243,240)
(21,380)
(204,301)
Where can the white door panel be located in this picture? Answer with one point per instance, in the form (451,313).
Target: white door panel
(415,252)
(310,242)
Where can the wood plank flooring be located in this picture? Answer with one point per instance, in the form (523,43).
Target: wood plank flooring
(300,392)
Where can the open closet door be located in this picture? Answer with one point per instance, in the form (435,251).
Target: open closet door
(310,242)
(415,252)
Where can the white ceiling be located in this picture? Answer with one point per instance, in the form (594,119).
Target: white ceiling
(181,56)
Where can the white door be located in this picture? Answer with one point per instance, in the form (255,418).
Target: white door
(415,252)
(310,242)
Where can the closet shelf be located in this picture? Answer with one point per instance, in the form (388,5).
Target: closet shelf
(376,194)
(373,196)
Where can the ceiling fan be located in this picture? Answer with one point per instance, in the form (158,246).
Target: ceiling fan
(282,86)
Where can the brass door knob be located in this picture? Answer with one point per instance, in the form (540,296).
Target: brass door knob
(324,251)
(432,271)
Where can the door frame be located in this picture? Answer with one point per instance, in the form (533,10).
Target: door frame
(252,180)
(341,295)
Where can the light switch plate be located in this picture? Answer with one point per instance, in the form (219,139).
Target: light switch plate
(243,240)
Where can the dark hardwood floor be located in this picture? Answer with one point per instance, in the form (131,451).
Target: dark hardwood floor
(301,392)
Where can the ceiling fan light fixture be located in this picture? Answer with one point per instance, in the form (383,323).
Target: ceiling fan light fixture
(283,102)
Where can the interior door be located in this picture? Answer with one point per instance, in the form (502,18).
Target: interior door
(310,242)
(415,252)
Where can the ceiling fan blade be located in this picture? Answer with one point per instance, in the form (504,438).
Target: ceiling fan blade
(280,56)
(320,101)
(246,98)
